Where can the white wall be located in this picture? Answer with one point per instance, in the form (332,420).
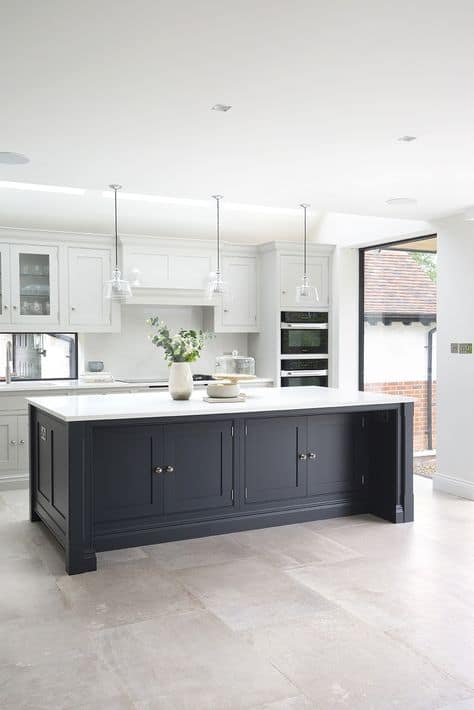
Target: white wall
(455,372)
(397,352)
(345,310)
(131,354)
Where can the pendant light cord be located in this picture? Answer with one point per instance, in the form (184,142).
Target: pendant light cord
(116,188)
(305,207)
(218,198)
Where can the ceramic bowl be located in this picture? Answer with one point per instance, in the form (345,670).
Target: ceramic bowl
(223,389)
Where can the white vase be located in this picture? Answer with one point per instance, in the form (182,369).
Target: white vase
(180,383)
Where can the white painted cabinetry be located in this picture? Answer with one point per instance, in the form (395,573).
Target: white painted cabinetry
(291,273)
(163,265)
(88,269)
(239,313)
(13,447)
(29,285)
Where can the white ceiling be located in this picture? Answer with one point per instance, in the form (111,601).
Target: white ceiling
(99,92)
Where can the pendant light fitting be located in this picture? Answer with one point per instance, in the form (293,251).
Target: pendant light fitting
(217,287)
(117,289)
(305,293)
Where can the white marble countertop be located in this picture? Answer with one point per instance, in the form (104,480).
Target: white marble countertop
(71,385)
(142,405)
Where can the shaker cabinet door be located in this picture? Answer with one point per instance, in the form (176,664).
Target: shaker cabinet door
(8,443)
(273,467)
(291,273)
(198,473)
(239,312)
(88,269)
(126,481)
(5,304)
(332,461)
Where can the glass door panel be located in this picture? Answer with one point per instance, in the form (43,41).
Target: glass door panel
(35,284)
(35,288)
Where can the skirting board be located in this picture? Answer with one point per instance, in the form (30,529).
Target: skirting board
(454,486)
(8,483)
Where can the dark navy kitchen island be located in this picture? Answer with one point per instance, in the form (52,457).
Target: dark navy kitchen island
(115,471)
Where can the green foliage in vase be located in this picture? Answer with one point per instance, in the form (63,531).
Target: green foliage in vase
(183,346)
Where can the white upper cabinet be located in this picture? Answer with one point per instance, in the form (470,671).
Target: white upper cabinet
(291,274)
(167,267)
(88,269)
(238,313)
(5,305)
(34,284)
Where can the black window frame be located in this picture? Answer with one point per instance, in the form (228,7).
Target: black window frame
(74,355)
(362,250)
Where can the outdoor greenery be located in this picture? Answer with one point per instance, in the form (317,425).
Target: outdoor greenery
(183,346)
(427,263)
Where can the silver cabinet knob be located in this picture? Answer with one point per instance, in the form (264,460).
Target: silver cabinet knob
(13,442)
(73,308)
(302,457)
(22,441)
(311,455)
(226,310)
(5,308)
(157,470)
(14,308)
(169,469)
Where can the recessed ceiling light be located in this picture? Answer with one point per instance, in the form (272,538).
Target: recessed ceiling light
(59,189)
(221,107)
(401,201)
(8,158)
(406,139)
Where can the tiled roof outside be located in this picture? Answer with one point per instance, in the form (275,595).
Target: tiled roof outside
(395,283)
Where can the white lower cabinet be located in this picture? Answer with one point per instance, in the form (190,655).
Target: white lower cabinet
(88,270)
(13,446)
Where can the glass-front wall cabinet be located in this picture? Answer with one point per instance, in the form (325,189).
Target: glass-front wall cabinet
(32,295)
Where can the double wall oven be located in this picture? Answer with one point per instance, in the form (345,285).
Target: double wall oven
(304,348)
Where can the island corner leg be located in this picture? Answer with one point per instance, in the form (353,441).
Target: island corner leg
(407,462)
(79,560)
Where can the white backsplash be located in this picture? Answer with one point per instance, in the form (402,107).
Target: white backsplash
(131,354)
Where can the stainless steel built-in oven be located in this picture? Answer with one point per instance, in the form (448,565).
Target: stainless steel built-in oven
(304,333)
(304,349)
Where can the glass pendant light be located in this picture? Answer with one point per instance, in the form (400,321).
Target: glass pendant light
(305,293)
(217,288)
(117,289)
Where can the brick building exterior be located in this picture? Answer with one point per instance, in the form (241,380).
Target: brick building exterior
(399,314)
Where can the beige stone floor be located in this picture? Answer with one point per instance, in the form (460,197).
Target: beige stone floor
(348,613)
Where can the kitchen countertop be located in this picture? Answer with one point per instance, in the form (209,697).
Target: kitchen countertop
(55,385)
(142,405)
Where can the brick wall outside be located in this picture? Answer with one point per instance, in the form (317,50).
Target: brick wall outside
(417,390)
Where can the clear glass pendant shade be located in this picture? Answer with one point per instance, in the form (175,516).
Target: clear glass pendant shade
(217,288)
(306,294)
(117,289)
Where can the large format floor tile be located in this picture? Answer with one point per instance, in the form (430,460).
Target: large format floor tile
(190,661)
(125,593)
(249,593)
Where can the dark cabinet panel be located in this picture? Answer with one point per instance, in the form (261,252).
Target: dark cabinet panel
(333,466)
(125,484)
(201,458)
(272,468)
